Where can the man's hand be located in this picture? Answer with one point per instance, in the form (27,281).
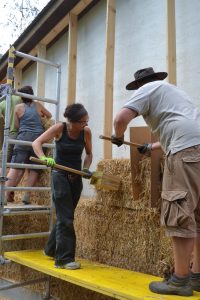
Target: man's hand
(89,173)
(50,162)
(117,141)
(145,148)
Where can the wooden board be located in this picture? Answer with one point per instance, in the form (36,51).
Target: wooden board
(114,282)
(141,135)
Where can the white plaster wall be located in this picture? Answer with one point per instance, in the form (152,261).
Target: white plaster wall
(57,53)
(140,42)
(90,76)
(188,45)
(29,77)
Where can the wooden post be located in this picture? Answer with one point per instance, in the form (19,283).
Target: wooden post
(141,135)
(171,41)
(72,53)
(109,75)
(40,80)
(17,78)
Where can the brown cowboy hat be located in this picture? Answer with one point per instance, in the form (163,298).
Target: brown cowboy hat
(145,74)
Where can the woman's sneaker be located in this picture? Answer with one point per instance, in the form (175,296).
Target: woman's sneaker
(173,286)
(74,265)
(50,256)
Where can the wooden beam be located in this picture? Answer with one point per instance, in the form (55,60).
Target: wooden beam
(40,79)
(80,6)
(25,61)
(17,78)
(109,75)
(72,54)
(171,41)
(62,24)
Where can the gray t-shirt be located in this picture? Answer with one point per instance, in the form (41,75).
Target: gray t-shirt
(170,114)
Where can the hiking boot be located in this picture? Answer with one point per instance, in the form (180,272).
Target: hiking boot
(26,199)
(74,265)
(173,286)
(195,281)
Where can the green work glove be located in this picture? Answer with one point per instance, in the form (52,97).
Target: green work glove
(50,162)
(88,175)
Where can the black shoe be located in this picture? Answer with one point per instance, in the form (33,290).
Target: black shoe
(173,286)
(50,256)
(195,281)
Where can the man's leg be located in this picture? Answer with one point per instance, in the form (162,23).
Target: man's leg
(196,256)
(182,251)
(179,282)
(195,270)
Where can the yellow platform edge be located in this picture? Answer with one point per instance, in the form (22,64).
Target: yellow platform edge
(111,281)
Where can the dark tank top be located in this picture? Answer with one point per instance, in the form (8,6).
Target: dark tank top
(69,151)
(31,121)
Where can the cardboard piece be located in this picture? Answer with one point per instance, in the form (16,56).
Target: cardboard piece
(141,135)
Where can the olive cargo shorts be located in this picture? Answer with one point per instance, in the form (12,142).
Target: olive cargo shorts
(180,209)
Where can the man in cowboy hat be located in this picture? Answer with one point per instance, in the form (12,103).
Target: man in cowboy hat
(175,120)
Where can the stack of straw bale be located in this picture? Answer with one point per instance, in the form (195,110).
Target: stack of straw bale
(115,232)
(112,228)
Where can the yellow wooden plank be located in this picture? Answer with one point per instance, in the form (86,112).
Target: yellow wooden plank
(115,282)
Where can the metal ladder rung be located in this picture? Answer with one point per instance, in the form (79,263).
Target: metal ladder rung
(24,188)
(24,236)
(48,100)
(25,143)
(26,166)
(37,59)
(26,211)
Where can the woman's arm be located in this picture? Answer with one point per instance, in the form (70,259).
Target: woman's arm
(16,118)
(43,111)
(53,132)
(88,148)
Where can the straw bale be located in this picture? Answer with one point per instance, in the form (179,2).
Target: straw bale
(144,179)
(122,169)
(121,237)
(64,290)
(124,196)
(114,229)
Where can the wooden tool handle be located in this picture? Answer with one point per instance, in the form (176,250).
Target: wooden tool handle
(57,166)
(124,142)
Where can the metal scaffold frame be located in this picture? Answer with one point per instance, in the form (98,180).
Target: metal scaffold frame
(29,209)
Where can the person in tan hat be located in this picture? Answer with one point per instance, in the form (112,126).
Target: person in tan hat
(175,120)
